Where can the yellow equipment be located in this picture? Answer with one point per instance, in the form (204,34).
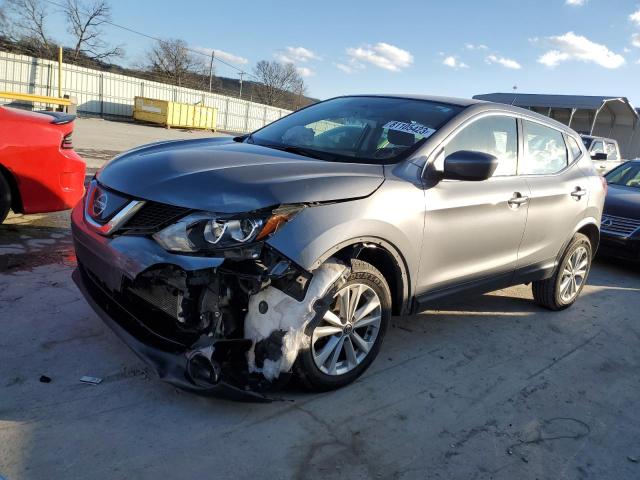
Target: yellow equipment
(174,114)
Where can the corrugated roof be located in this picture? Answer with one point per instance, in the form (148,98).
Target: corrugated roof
(462,102)
(589,102)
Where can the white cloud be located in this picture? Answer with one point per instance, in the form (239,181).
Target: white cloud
(472,46)
(635,40)
(348,69)
(382,55)
(576,47)
(575,3)
(222,55)
(453,62)
(553,57)
(635,17)
(505,62)
(295,55)
(305,72)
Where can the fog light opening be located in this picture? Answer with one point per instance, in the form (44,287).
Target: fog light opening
(202,371)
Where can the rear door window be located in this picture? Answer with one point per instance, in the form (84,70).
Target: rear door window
(544,150)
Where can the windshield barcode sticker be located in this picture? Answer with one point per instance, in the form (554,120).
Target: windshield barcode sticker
(414,128)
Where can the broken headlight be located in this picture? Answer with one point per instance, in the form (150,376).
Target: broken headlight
(202,232)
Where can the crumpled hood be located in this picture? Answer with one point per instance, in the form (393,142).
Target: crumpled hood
(220,175)
(622,202)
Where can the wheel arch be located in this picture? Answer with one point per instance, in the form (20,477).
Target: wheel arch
(386,258)
(592,232)
(589,227)
(16,198)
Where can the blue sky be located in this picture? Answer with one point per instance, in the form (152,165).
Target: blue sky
(452,47)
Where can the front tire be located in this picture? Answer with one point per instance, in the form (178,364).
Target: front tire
(348,336)
(563,288)
(5,198)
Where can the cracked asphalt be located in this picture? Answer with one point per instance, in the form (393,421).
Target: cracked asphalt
(486,387)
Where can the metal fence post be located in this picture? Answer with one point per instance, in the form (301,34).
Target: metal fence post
(49,79)
(226,115)
(246,118)
(101,93)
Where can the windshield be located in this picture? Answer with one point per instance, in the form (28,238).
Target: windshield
(627,175)
(358,129)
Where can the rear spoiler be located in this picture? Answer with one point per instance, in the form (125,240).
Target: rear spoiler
(59,118)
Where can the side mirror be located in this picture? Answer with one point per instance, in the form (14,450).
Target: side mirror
(468,165)
(599,156)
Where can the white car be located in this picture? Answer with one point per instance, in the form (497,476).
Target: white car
(604,152)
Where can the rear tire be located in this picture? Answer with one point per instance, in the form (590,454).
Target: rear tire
(5,198)
(564,287)
(342,347)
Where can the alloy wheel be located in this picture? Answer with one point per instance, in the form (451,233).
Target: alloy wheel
(574,274)
(348,330)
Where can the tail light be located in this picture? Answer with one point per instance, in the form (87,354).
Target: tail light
(67,141)
(605,185)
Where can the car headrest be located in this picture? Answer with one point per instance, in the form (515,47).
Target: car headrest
(397,137)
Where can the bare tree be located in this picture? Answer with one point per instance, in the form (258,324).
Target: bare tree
(173,59)
(28,19)
(276,79)
(84,22)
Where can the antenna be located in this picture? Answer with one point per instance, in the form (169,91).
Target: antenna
(515,95)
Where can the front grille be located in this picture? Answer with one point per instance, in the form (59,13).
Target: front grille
(150,326)
(160,297)
(619,225)
(152,217)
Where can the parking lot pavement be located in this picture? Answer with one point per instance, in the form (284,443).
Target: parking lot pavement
(489,387)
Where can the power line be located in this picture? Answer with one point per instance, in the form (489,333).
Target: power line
(157,39)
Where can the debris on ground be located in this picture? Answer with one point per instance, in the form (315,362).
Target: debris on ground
(45,379)
(91,380)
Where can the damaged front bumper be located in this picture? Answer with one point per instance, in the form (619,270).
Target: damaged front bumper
(183,315)
(171,365)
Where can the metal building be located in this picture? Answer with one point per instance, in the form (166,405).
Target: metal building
(612,117)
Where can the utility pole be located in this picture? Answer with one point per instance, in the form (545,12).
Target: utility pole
(241,75)
(213,56)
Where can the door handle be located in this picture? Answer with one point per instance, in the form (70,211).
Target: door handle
(578,193)
(517,200)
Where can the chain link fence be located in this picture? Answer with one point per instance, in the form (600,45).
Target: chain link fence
(108,94)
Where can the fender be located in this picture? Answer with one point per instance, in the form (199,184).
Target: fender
(405,279)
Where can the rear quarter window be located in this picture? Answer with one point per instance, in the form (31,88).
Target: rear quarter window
(574,148)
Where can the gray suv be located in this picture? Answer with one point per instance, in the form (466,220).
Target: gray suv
(231,264)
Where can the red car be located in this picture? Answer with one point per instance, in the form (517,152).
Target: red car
(39,171)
